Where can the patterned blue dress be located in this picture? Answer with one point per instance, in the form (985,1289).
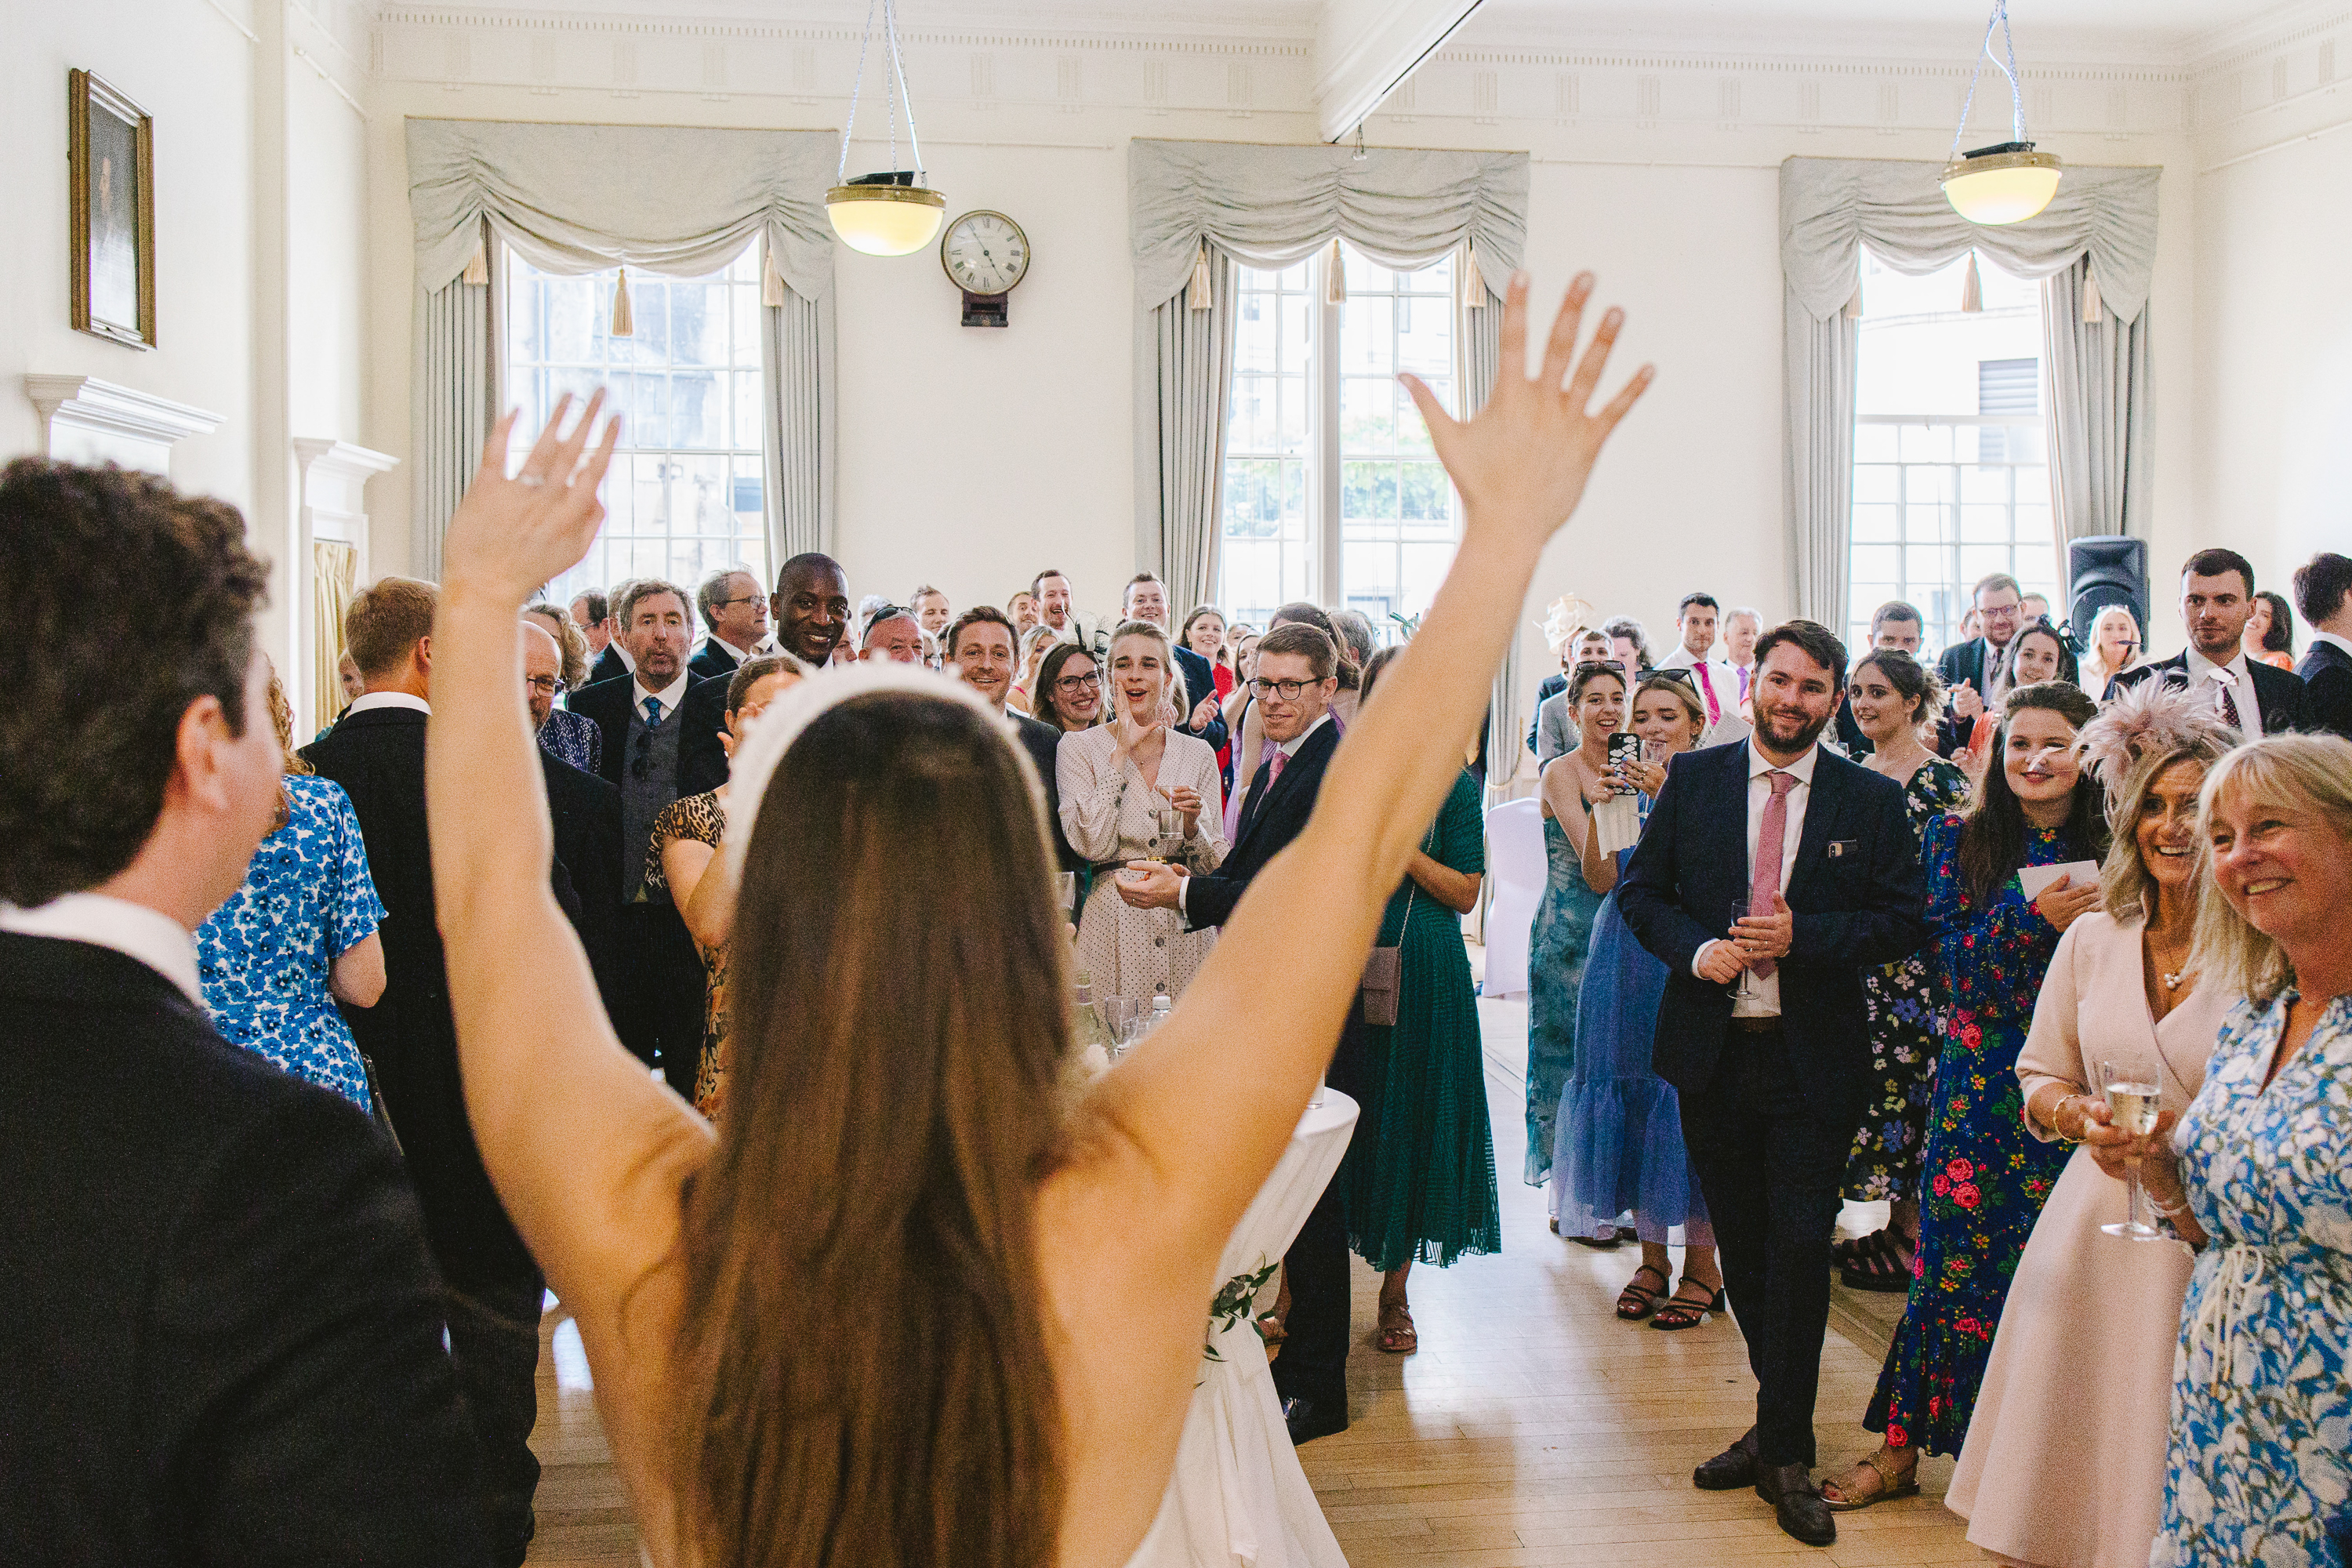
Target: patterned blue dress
(1557,948)
(2262,1380)
(574,738)
(263,956)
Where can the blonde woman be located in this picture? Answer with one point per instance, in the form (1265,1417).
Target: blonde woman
(2116,646)
(1036,643)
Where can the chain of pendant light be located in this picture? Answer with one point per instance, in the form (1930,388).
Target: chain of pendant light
(894,89)
(1999,19)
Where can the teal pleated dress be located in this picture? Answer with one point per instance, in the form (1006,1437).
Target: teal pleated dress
(1420,1176)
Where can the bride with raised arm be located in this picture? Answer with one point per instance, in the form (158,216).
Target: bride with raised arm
(908,1305)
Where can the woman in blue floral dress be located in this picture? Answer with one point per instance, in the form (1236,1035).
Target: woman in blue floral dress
(299,933)
(1986,1176)
(2259,1469)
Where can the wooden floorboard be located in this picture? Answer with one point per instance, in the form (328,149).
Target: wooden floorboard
(1532,1428)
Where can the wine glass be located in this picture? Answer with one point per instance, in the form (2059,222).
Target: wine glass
(1744,988)
(1066,893)
(1119,1015)
(2134,1097)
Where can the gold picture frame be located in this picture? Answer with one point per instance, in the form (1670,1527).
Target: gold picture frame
(110,150)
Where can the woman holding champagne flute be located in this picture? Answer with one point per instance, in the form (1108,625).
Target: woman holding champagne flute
(2087,1311)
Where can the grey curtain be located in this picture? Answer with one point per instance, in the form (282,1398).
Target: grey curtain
(2099,418)
(1829,209)
(1478,357)
(1268,206)
(679,200)
(452,404)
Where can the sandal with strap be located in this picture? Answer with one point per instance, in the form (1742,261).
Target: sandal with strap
(1637,1301)
(1397,1335)
(1681,1313)
(1893,1481)
(1877,1263)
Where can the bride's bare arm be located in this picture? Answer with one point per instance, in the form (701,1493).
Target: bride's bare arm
(1211,1101)
(584,1148)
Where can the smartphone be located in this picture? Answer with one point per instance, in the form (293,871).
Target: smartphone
(1622,749)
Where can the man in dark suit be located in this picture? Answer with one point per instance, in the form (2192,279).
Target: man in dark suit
(224,1331)
(2322,592)
(585,813)
(376,753)
(646,724)
(734,619)
(2217,598)
(980,654)
(1762,1028)
(1147,600)
(1967,667)
(593,613)
(1295,680)
(1895,627)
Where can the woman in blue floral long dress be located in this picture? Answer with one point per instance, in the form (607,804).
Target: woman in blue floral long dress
(1563,926)
(301,933)
(1986,1176)
(2260,1469)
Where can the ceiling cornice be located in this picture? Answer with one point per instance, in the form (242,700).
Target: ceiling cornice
(2236,43)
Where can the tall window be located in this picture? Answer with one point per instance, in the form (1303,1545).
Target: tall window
(1950,482)
(1332,492)
(683,494)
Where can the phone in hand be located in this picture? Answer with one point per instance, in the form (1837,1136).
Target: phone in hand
(1622,749)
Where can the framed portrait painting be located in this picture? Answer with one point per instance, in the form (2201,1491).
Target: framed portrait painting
(112,152)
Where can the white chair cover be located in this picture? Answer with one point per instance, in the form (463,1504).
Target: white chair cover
(1515,868)
(1238,1498)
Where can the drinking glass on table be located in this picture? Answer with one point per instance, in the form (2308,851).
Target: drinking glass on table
(2134,1098)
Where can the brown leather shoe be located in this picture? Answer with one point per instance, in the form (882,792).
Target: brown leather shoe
(1731,1469)
(1797,1502)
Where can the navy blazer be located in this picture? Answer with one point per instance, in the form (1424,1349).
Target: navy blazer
(1272,816)
(712,661)
(1042,742)
(608,665)
(2279,693)
(1856,891)
(610,703)
(2326,672)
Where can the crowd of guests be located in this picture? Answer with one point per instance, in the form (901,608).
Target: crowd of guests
(383,1063)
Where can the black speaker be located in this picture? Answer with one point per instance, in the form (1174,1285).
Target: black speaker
(2104,569)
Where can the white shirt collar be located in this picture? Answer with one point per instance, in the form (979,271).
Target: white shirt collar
(2341,644)
(740,653)
(1759,765)
(2200,667)
(152,936)
(671,695)
(1290,748)
(373,700)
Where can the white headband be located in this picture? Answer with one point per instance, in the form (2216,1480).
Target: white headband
(759,753)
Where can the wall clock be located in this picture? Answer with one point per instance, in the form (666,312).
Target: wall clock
(985,255)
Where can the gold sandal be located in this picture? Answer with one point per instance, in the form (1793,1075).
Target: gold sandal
(1893,1482)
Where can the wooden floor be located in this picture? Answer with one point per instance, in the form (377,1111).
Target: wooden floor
(1531,1427)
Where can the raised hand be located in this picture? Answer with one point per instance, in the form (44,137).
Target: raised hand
(509,535)
(1522,461)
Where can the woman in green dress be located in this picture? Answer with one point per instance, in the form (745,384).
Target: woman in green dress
(1420,1174)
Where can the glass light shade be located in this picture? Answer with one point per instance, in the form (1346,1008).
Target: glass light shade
(886,220)
(1994,188)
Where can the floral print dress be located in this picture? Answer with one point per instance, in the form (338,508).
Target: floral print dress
(1986,1176)
(2262,1380)
(1904,1040)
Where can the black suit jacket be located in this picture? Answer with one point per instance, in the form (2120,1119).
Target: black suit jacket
(712,661)
(224,1334)
(608,665)
(2326,673)
(2280,693)
(378,756)
(1963,663)
(1856,889)
(1272,816)
(1042,742)
(702,709)
(1200,684)
(586,812)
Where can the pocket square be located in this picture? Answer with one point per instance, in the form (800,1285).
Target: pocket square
(1841,847)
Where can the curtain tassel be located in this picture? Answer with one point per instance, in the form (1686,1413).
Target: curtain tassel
(2095,310)
(1201,283)
(1474,283)
(1854,306)
(773,288)
(625,321)
(1972,289)
(1335,276)
(477,266)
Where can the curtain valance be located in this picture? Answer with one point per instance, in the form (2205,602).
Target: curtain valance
(577,198)
(1831,206)
(1270,205)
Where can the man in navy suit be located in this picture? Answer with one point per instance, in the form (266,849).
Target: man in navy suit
(1762,1029)
(2322,592)
(1967,667)
(2216,599)
(1147,600)
(1296,678)
(734,621)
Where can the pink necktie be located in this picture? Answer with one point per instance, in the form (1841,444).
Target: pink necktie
(1769,845)
(1707,684)
(1274,768)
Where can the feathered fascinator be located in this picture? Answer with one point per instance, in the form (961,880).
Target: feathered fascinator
(1566,615)
(2150,719)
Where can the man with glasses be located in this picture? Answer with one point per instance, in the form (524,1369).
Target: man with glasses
(734,619)
(1293,687)
(1968,668)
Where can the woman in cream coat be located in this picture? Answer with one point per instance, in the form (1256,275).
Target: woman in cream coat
(2092,1319)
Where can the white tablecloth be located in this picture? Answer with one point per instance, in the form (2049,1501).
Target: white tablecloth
(1238,1497)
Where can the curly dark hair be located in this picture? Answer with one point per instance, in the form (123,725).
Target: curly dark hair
(131,602)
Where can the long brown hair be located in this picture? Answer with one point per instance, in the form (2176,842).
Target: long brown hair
(861,1370)
(1992,838)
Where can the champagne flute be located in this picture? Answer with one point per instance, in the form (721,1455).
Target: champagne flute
(1744,988)
(1066,889)
(2134,1097)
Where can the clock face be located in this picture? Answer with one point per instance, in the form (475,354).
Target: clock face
(984,253)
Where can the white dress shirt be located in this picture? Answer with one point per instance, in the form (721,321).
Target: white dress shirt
(2250,705)
(1766,1002)
(1721,679)
(1287,748)
(150,936)
(669,696)
(368,699)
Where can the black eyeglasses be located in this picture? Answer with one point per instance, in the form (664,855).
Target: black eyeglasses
(1288,690)
(546,685)
(1673,672)
(1598,666)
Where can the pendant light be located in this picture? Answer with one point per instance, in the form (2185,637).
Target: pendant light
(891,214)
(2010,181)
